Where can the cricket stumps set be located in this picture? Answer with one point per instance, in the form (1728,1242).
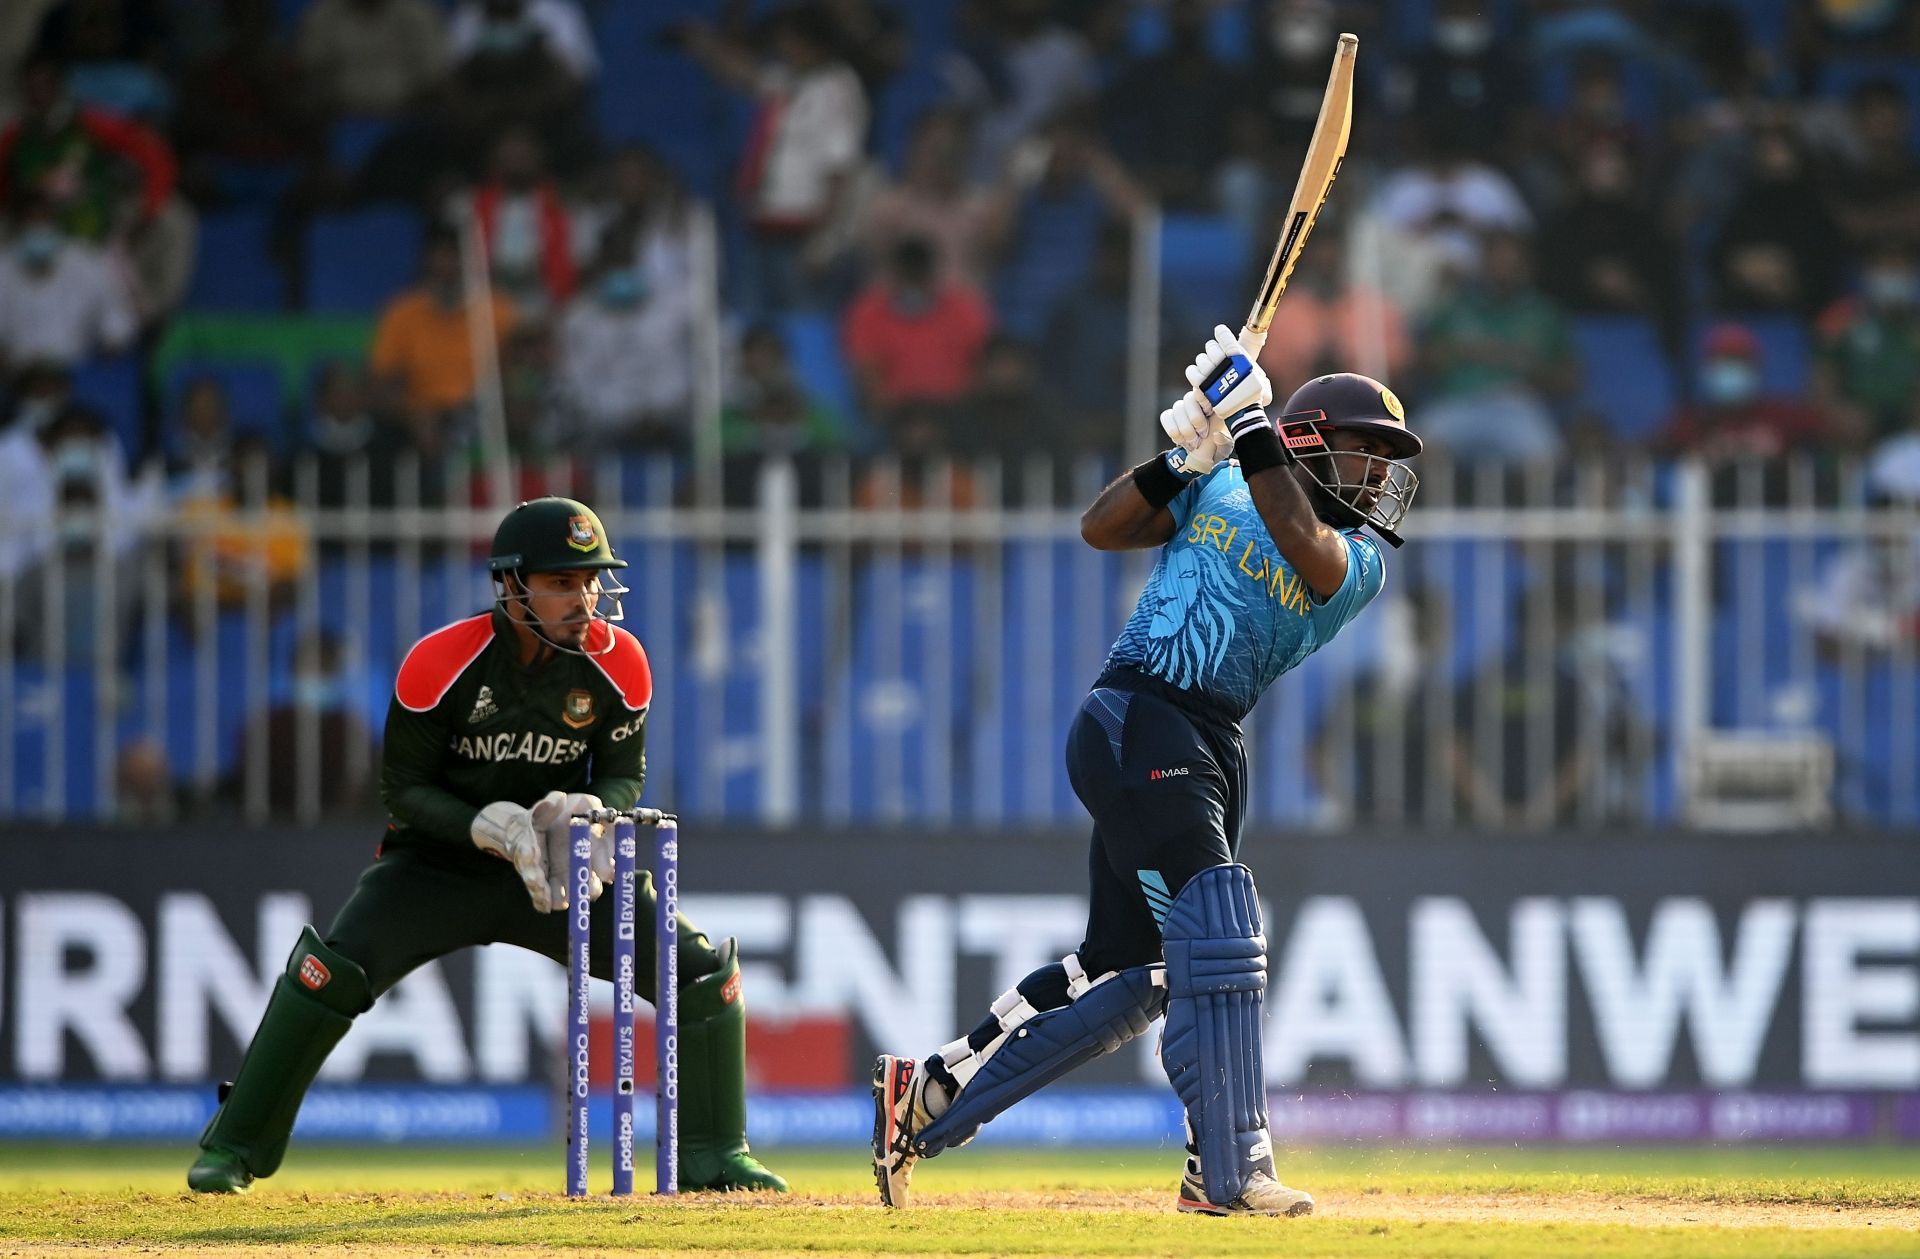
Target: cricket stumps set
(665,831)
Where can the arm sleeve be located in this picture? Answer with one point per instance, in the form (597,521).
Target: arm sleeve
(411,773)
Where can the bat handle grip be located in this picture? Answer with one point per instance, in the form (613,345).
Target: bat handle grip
(1252,342)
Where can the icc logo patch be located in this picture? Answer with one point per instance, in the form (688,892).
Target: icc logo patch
(314,973)
(579,709)
(581,535)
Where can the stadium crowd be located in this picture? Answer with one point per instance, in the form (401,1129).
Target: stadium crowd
(1566,229)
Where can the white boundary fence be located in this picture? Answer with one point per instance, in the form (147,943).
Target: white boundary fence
(1610,645)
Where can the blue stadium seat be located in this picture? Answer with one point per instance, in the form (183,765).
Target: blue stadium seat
(1202,253)
(234,267)
(813,345)
(1626,379)
(351,141)
(256,398)
(652,94)
(358,261)
(112,384)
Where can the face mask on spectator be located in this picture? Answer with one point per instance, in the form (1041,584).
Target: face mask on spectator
(1893,288)
(622,288)
(1462,36)
(1729,381)
(76,461)
(912,301)
(38,246)
(505,35)
(317,692)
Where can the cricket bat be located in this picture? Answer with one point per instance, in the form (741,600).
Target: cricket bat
(1324,151)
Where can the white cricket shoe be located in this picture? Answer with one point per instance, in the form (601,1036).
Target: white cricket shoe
(899,1111)
(1261,1195)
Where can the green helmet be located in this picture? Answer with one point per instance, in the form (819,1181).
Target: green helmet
(550,535)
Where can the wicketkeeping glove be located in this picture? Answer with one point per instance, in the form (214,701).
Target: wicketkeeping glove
(1225,378)
(553,817)
(507,830)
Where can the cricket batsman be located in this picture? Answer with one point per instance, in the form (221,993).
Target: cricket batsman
(501,727)
(1262,561)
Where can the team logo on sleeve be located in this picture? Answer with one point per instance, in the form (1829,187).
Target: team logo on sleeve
(579,709)
(314,973)
(581,535)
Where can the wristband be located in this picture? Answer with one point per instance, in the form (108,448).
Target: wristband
(1257,446)
(1158,482)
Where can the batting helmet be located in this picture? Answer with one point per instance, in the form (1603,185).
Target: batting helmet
(1383,490)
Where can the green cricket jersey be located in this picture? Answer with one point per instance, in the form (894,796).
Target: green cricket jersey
(469,725)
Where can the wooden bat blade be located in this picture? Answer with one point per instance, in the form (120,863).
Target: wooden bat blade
(1324,153)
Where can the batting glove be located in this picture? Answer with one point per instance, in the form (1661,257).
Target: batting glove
(1201,440)
(1225,378)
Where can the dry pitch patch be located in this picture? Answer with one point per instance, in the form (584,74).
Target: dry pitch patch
(376,1204)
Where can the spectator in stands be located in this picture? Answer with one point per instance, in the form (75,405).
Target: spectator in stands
(625,346)
(372,58)
(869,36)
(1865,601)
(312,737)
(637,189)
(1162,115)
(1462,79)
(353,450)
(481,26)
(1372,759)
(1016,68)
(1085,382)
(1778,250)
(1732,421)
(62,299)
(1867,364)
(803,157)
(925,472)
(913,336)
(200,455)
(997,419)
(933,199)
(423,364)
(1498,353)
(523,225)
(160,252)
(1605,252)
(1287,77)
(67,153)
(245,103)
(114,51)
(98,515)
(768,410)
(1450,196)
(247,538)
(1062,187)
(1876,196)
(1326,323)
(530,62)
(1504,774)
(39,392)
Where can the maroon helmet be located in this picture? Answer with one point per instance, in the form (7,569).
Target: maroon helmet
(1383,490)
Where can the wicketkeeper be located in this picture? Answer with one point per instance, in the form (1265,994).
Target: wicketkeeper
(1262,562)
(502,726)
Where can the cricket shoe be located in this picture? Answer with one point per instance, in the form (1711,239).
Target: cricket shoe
(219,1171)
(1261,1195)
(731,1171)
(899,1111)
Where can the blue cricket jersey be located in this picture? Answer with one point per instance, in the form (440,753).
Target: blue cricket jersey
(1222,614)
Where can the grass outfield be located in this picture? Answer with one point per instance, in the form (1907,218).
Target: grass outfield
(1500,1203)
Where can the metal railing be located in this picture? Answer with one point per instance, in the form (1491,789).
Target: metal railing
(1555,647)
